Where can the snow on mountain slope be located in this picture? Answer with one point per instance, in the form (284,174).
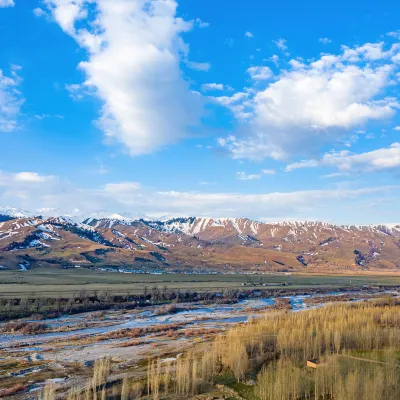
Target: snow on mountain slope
(13,212)
(242,229)
(198,242)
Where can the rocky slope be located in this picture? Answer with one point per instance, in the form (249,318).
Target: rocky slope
(193,244)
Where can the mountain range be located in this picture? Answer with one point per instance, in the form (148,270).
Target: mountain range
(191,244)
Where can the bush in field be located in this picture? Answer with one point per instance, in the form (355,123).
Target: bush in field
(26,328)
(12,390)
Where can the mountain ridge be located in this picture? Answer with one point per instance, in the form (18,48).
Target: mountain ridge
(104,215)
(193,244)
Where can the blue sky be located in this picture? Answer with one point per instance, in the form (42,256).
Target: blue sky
(180,107)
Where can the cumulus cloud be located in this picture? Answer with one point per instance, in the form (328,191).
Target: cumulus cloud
(6,3)
(134,55)
(296,64)
(239,104)
(260,73)
(376,160)
(248,34)
(212,86)
(314,103)
(396,128)
(11,99)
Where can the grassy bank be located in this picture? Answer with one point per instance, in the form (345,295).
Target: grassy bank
(60,282)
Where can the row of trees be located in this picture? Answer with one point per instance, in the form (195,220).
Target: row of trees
(84,301)
(278,346)
(275,349)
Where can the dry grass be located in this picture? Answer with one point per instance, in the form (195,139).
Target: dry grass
(24,327)
(12,390)
(277,346)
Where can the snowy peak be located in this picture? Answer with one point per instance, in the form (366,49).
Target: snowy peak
(13,212)
(104,240)
(194,226)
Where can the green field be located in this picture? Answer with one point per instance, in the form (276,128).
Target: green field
(58,282)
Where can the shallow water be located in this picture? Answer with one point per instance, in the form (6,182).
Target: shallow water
(200,315)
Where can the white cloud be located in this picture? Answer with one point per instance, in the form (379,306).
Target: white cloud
(396,128)
(242,176)
(302,164)
(8,179)
(201,24)
(335,175)
(376,160)
(134,52)
(6,3)
(24,188)
(212,86)
(281,44)
(247,177)
(11,99)
(199,66)
(274,205)
(77,91)
(123,187)
(31,177)
(275,59)
(42,116)
(239,105)
(38,12)
(372,51)
(325,40)
(295,64)
(132,198)
(394,34)
(260,73)
(313,104)
(248,34)
(268,171)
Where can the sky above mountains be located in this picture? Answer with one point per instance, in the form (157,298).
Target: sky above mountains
(255,109)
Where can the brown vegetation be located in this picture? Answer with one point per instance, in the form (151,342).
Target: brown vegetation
(25,327)
(138,332)
(12,390)
(276,349)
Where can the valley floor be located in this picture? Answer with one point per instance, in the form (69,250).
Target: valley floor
(64,352)
(66,282)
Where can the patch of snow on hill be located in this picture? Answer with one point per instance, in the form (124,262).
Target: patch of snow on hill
(13,212)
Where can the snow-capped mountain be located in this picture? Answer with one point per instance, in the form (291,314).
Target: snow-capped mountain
(13,212)
(193,243)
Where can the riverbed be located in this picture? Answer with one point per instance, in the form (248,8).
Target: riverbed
(109,334)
